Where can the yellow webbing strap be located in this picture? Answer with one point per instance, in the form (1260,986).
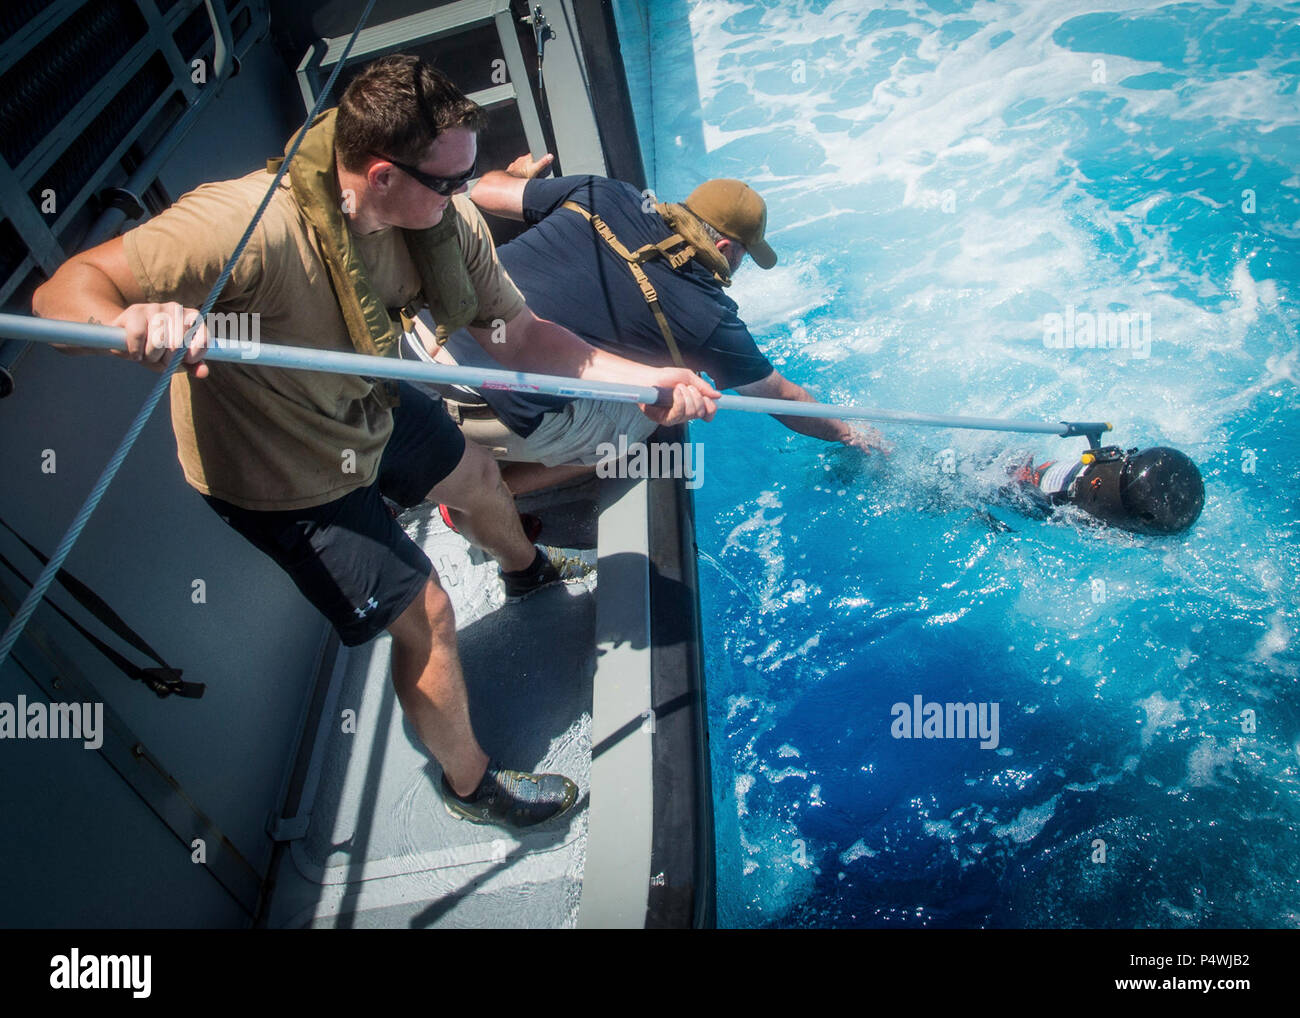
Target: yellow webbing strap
(407,316)
(642,280)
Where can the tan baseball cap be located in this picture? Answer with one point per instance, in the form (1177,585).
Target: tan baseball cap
(735,210)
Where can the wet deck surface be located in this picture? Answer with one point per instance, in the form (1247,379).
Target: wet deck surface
(380,848)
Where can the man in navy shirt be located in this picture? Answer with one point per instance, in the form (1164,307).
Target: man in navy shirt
(573,269)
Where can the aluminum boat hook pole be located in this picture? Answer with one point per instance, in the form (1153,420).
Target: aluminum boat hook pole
(104,337)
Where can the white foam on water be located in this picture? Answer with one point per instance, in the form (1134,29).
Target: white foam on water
(1029,822)
(1206,761)
(1278,638)
(884,297)
(736,704)
(780,296)
(744,782)
(772,659)
(936,123)
(1248,96)
(759,526)
(940,829)
(1161,713)
(1129,767)
(776,777)
(858,850)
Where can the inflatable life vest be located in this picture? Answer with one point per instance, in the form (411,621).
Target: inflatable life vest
(445,283)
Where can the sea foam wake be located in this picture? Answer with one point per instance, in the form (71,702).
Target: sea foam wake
(941,178)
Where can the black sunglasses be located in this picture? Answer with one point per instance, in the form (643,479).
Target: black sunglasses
(445,186)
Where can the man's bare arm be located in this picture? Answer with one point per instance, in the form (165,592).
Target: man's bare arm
(95,284)
(98,287)
(501,192)
(537,345)
(777,386)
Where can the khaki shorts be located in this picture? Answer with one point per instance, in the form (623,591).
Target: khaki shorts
(569,435)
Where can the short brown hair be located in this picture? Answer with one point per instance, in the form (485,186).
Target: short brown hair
(395,107)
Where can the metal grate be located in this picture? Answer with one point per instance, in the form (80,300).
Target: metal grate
(195,35)
(12,250)
(34,94)
(83,84)
(16,13)
(84,158)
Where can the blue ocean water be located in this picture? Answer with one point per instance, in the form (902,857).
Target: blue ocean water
(941,177)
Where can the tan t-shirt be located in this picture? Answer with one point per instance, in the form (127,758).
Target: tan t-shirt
(273,438)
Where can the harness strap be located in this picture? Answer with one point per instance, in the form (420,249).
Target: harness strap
(664,249)
(406,316)
(634,259)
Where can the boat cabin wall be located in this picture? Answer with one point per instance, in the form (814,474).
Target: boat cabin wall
(81,847)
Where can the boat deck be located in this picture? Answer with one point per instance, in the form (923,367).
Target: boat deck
(372,844)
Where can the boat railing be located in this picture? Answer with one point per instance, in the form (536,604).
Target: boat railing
(76,163)
(429,26)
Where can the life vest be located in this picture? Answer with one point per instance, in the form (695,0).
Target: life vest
(373,327)
(691,242)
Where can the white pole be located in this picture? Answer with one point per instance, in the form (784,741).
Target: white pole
(104,337)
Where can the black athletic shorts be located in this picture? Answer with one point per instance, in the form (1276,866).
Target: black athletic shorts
(349,557)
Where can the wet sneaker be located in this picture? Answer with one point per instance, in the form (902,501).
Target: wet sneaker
(542,573)
(512,798)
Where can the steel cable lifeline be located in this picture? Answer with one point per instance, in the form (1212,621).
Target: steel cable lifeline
(47,575)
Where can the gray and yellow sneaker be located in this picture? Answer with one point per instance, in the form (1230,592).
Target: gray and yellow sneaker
(512,798)
(539,575)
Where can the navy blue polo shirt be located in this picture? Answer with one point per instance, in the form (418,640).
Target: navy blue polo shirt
(569,275)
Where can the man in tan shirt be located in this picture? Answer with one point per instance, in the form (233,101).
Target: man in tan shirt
(371,217)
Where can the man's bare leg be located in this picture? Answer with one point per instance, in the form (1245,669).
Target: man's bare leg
(522,478)
(431,688)
(484,510)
